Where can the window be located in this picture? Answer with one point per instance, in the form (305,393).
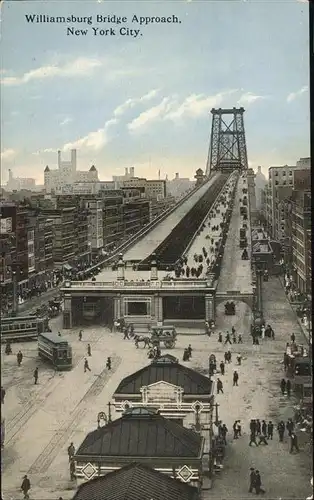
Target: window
(284,183)
(290,181)
(284,173)
(290,172)
(276,174)
(276,183)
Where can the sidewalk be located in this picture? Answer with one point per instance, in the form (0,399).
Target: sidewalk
(305,329)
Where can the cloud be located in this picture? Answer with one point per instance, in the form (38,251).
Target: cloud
(130,103)
(249,98)
(41,151)
(291,97)
(94,140)
(79,67)
(66,121)
(151,115)
(8,154)
(193,106)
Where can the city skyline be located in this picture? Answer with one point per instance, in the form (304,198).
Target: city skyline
(55,93)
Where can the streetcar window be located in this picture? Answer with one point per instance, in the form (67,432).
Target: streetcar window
(60,354)
(28,325)
(22,326)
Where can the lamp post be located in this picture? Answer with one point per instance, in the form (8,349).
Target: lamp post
(15,300)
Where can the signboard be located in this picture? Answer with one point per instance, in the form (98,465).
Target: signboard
(6,225)
(161,393)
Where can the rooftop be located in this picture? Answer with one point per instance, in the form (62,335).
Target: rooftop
(141,434)
(134,482)
(166,370)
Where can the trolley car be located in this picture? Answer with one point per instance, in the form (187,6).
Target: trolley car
(55,349)
(19,328)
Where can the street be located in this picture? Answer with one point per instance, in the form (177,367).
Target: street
(42,420)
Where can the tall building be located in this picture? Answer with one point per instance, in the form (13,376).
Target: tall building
(281,177)
(301,239)
(61,180)
(179,185)
(260,184)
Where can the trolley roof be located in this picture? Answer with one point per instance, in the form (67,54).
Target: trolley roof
(53,337)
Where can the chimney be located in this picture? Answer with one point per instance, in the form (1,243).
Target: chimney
(259,169)
(73,159)
(131,171)
(126,172)
(120,276)
(153,268)
(59,159)
(177,175)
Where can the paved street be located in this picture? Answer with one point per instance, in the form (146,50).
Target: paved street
(42,420)
(235,273)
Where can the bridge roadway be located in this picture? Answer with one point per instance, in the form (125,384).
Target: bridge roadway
(236,274)
(145,246)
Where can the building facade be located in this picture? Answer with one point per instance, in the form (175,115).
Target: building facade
(62,179)
(301,239)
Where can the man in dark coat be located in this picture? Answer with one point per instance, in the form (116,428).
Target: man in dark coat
(270,430)
(219,386)
(26,486)
(283,386)
(36,375)
(281,430)
(252,479)
(289,426)
(222,368)
(288,387)
(235,378)
(258,483)
(294,443)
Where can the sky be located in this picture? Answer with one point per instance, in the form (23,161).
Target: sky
(144,101)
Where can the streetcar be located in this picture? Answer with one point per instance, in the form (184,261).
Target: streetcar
(55,349)
(20,328)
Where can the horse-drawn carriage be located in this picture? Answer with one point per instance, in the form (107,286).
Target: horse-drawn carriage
(230,308)
(165,334)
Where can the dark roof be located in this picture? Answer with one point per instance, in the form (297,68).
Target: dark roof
(190,380)
(137,434)
(134,482)
(47,169)
(92,169)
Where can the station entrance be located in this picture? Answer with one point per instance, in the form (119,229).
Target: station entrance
(191,307)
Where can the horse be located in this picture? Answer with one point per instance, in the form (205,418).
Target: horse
(142,338)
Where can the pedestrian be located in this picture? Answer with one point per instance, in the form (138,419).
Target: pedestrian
(126,333)
(224,432)
(89,351)
(289,426)
(229,356)
(262,439)
(239,428)
(235,430)
(108,364)
(219,386)
(258,483)
(288,387)
(240,339)
(253,426)
(222,368)
(71,451)
(227,339)
(35,375)
(239,359)
(2,394)
(226,357)
(234,338)
(294,443)
(189,349)
(281,430)
(235,378)
(283,386)
(264,427)
(26,486)
(233,331)
(86,366)
(292,337)
(19,358)
(80,335)
(258,427)
(252,480)
(253,439)
(270,430)
(220,337)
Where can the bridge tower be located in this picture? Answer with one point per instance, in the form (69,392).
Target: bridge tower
(227,150)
